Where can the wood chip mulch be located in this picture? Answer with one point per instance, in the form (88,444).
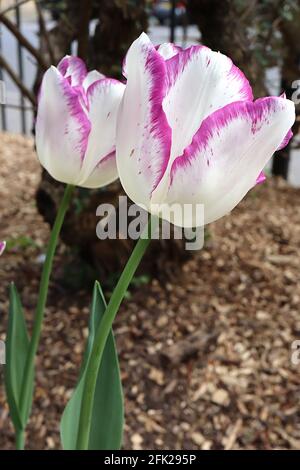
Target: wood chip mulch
(206,358)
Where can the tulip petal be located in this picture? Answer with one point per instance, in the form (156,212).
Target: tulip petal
(103,100)
(200,82)
(261,178)
(168,50)
(286,140)
(92,77)
(62,128)
(144,135)
(104,173)
(73,69)
(227,154)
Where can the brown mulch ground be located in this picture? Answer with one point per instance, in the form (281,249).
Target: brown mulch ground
(205,359)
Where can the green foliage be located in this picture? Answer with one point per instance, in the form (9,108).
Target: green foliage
(139,281)
(108,413)
(20,242)
(17,345)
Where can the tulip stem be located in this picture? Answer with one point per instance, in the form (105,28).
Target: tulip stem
(26,391)
(102,335)
(20,439)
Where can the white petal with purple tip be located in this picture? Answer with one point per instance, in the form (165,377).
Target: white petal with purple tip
(201,81)
(103,101)
(104,173)
(92,77)
(143,133)
(168,50)
(227,154)
(62,128)
(73,69)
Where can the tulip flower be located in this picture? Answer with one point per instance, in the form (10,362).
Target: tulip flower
(2,247)
(76,124)
(189,131)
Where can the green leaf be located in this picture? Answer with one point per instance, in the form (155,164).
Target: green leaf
(17,344)
(108,410)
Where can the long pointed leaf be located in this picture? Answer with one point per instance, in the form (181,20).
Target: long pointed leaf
(17,344)
(108,411)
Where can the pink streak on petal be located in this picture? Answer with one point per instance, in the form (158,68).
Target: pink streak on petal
(171,48)
(103,173)
(245,90)
(289,135)
(106,158)
(2,247)
(73,69)
(257,112)
(286,140)
(77,112)
(158,127)
(177,63)
(105,81)
(261,178)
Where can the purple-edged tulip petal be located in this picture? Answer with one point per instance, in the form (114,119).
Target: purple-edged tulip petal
(261,178)
(226,156)
(103,100)
(200,82)
(168,50)
(104,173)
(143,133)
(286,140)
(91,78)
(2,247)
(76,124)
(73,69)
(62,128)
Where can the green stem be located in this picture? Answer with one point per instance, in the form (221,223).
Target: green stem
(26,391)
(101,337)
(19,439)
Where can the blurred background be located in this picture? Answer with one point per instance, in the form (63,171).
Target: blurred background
(205,339)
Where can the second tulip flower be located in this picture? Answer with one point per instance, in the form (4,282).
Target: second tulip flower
(76,124)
